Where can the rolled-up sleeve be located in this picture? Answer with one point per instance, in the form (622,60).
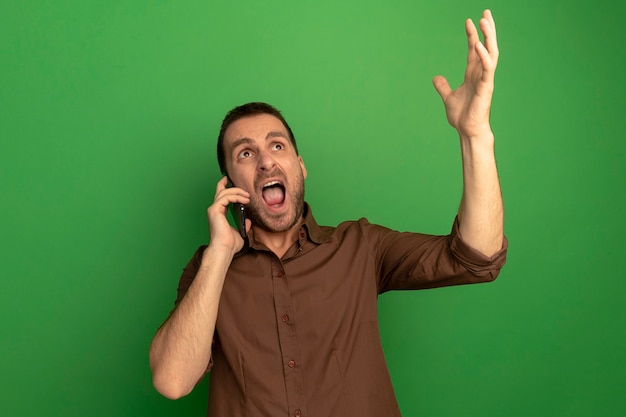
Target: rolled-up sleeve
(421,261)
(476,262)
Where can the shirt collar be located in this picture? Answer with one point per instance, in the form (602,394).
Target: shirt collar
(308,229)
(315,232)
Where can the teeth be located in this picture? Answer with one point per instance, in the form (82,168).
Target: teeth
(269,184)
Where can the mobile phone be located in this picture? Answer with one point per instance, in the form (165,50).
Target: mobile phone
(238,212)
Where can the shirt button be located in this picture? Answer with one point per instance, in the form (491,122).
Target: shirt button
(285,318)
(298,413)
(291,363)
(280,275)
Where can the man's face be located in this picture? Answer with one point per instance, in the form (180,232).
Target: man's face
(261,159)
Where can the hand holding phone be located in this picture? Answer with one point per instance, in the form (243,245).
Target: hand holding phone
(238,211)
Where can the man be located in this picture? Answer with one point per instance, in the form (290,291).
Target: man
(289,327)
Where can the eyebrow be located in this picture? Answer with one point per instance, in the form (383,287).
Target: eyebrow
(270,135)
(240,141)
(275,134)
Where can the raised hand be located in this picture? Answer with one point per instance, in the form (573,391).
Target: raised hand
(468,107)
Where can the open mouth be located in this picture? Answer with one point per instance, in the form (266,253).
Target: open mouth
(273,193)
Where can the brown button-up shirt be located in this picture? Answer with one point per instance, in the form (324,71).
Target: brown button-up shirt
(298,336)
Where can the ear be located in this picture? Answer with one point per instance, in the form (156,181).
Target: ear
(304,173)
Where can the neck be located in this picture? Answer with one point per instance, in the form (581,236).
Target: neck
(277,242)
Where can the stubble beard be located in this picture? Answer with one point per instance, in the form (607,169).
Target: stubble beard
(276,223)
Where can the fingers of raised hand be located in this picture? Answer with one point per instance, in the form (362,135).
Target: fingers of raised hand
(488,28)
(489,16)
(442,86)
(472,34)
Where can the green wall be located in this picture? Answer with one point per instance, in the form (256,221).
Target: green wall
(108,117)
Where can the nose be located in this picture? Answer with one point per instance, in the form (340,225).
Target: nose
(266,162)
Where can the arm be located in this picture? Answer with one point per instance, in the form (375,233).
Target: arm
(481,214)
(181,348)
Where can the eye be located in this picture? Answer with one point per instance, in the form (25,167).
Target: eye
(246,153)
(278,147)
